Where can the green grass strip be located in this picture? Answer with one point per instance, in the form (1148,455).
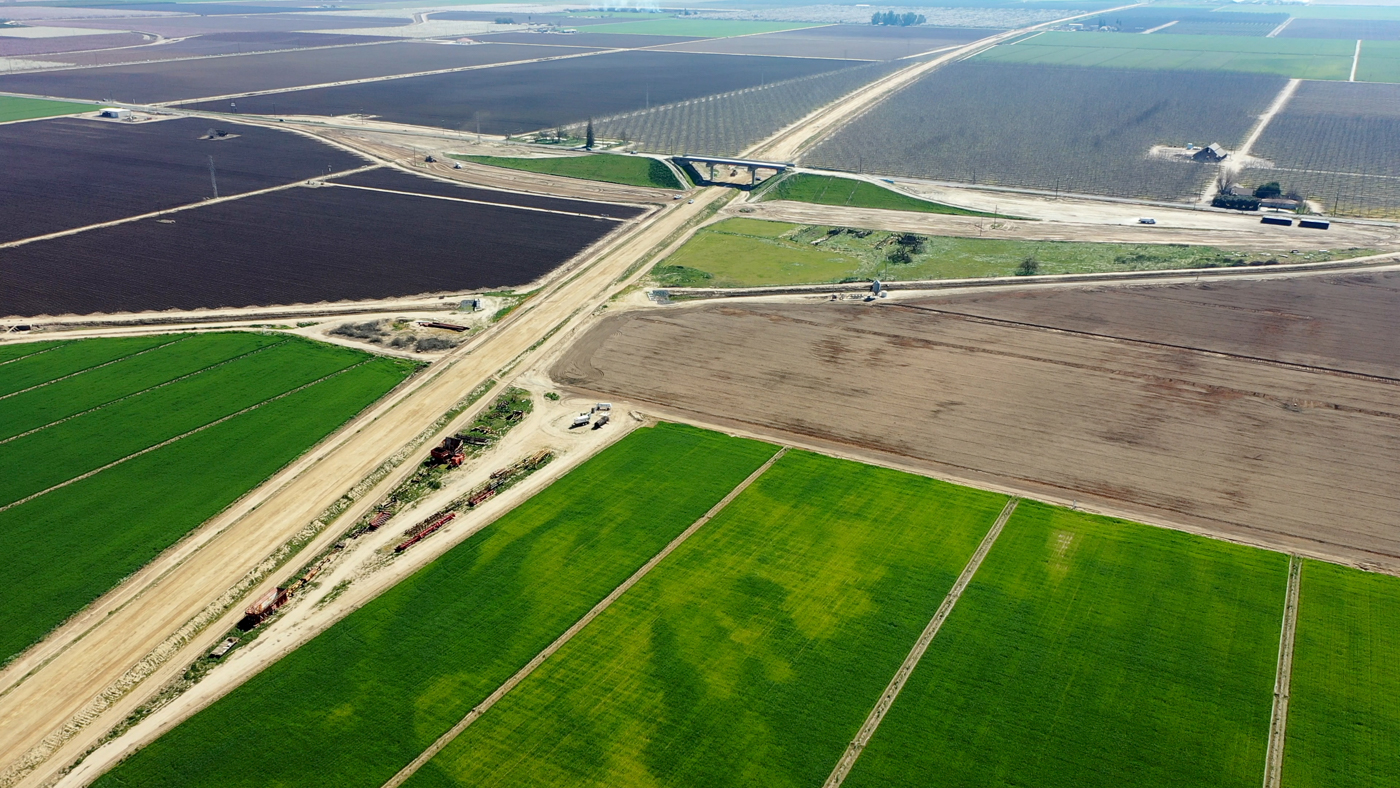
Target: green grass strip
(15,108)
(606,167)
(71,448)
(752,654)
(364,698)
(1344,705)
(74,357)
(130,375)
(1093,653)
(69,547)
(853,193)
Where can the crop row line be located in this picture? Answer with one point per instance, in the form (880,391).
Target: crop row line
(87,369)
(520,675)
(36,353)
(1278,723)
(181,208)
(149,389)
(181,436)
(882,706)
(477,202)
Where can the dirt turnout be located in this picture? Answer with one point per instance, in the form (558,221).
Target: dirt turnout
(1280,454)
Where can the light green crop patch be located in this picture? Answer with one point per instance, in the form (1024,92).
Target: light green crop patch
(1344,700)
(752,654)
(1089,652)
(14,108)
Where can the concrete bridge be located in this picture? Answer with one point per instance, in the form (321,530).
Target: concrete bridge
(752,165)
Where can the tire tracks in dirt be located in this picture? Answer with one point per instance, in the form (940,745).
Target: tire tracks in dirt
(882,706)
(559,642)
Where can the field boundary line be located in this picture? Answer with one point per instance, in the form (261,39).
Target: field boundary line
(559,642)
(163,39)
(1355,59)
(478,202)
(181,208)
(85,369)
(1274,33)
(1161,27)
(181,436)
(1027,38)
(178,103)
(142,391)
(1278,719)
(882,706)
(35,353)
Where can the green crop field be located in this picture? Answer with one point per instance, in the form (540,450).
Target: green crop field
(1093,652)
(741,252)
(361,700)
(1379,62)
(699,28)
(1344,706)
(15,108)
(767,637)
(14,351)
(1303,58)
(86,504)
(610,168)
(832,190)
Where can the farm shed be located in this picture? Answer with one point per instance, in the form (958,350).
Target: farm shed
(1212,152)
(120,113)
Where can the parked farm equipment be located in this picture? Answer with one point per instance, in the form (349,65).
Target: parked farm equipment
(450,451)
(424,530)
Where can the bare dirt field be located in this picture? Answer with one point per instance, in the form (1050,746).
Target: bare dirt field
(1202,434)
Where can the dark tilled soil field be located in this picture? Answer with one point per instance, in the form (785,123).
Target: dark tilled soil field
(300,245)
(397,180)
(1288,456)
(71,172)
(11,46)
(560,20)
(212,44)
(859,42)
(583,39)
(172,27)
(162,82)
(531,96)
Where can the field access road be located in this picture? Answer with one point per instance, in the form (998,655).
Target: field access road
(1081,220)
(44,714)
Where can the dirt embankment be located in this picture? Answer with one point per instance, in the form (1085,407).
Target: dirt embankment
(1267,412)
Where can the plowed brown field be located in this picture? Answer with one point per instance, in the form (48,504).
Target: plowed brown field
(1266,411)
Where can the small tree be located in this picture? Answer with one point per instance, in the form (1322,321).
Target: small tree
(1268,191)
(899,255)
(1028,267)
(588,135)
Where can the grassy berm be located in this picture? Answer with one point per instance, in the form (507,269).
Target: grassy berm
(831,190)
(606,167)
(365,697)
(742,252)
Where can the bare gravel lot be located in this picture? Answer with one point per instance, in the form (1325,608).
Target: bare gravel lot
(1194,434)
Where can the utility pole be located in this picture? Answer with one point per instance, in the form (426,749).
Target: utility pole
(212,180)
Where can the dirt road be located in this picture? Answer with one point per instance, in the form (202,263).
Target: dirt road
(1108,225)
(1204,438)
(57,701)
